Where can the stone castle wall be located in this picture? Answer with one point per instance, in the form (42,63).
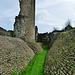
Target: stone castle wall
(36,33)
(3,32)
(60,59)
(24,26)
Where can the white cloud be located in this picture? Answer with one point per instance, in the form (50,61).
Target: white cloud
(8,11)
(47,3)
(46,19)
(54,13)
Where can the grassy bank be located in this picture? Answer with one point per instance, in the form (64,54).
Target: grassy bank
(36,65)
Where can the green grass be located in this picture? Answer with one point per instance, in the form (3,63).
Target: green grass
(36,65)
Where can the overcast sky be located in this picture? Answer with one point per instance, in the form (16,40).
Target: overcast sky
(49,13)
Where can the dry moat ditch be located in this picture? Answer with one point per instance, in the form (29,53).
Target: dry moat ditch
(36,65)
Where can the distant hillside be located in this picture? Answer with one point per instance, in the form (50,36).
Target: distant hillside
(15,55)
(60,60)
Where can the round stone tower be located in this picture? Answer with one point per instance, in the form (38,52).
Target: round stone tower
(24,26)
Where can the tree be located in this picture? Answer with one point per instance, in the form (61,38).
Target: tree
(68,26)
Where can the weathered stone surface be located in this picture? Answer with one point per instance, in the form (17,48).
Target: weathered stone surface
(15,55)
(36,47)
(24,26)
(36,33)
(44,37)
(60,60)
(3,32)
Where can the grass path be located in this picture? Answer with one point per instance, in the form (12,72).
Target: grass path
(36,65)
